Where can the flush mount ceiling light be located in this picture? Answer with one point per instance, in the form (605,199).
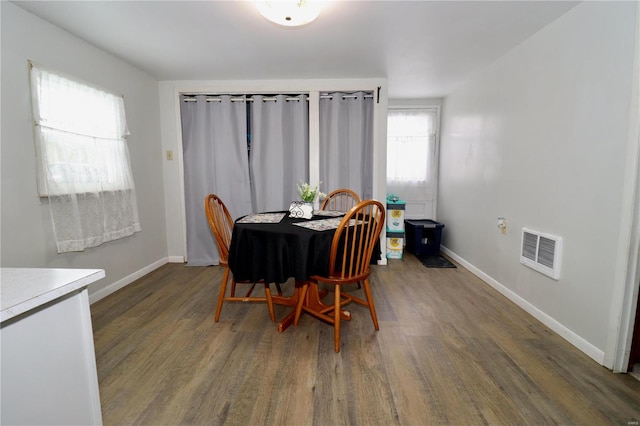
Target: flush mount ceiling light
(290,13)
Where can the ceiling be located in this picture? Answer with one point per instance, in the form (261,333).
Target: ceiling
(426,49)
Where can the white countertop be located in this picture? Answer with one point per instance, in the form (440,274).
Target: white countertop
(23,289)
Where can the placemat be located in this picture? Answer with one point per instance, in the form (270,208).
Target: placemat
(262,218)
(323,224)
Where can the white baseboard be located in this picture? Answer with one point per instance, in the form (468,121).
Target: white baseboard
(112,288)
(577,341)
(176,259)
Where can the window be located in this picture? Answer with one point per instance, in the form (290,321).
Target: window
(81,136)
(82,161)
(409,144)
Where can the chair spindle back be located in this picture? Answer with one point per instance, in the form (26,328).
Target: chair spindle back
(220,223)
(355,240)
(340,200)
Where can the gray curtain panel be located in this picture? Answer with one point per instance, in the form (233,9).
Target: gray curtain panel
(214,137)
(217,158)
(346,142)
(279,150)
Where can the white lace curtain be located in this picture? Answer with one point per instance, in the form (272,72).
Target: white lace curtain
(411,145)
(83,161)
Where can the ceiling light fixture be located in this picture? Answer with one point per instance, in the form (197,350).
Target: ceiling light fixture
(290,13)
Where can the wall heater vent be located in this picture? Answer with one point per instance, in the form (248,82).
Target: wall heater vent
(541,252)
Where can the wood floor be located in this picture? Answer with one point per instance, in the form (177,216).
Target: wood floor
(450,350)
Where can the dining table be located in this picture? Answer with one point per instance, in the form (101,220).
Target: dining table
(275,247)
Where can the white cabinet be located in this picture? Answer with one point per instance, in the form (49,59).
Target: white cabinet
(48,368)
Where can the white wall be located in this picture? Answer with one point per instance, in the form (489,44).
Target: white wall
(540,138)
(26,231)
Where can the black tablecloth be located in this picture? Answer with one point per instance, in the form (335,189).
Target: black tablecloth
(276,252)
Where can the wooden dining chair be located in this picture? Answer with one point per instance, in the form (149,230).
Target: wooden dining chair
(349,262)
(340,200)
(221,226)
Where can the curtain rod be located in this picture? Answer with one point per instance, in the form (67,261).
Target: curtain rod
(214,98)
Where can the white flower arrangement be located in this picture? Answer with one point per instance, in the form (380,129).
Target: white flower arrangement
(309,193)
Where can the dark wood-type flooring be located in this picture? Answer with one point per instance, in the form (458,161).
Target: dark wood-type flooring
(450,350)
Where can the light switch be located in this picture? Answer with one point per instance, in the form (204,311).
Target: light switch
(169,155)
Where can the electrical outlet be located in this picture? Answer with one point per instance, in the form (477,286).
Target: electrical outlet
(502,225)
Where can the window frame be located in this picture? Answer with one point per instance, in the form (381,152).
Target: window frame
(416,208)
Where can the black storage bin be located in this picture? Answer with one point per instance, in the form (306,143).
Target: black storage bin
(423,236)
